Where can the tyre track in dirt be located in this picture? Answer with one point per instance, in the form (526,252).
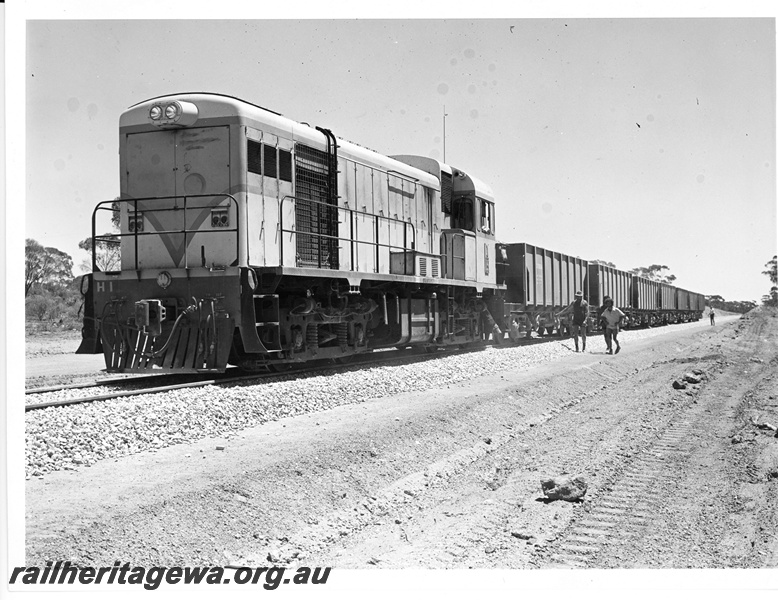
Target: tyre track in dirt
(628,505)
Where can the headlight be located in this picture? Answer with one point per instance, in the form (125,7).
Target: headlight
(179,113)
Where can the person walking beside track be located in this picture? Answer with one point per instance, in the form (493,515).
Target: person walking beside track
(712,316)
(580,309)
(612,317)
(600,310)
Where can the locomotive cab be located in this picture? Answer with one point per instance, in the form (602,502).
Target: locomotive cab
(468,246)
(467,243)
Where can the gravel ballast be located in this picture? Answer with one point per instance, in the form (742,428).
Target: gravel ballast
(77,436)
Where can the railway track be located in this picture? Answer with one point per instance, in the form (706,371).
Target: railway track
(168,382)
(232,376)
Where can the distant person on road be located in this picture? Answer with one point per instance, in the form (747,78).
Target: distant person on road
(580,309)
(712,316)
(612,317)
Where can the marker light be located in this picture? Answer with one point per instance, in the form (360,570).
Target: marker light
(156,112)
(135,222)
(220,217)
(171,111)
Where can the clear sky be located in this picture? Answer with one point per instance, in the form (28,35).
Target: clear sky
(632,140)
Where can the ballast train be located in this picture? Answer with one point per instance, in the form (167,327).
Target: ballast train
(249,239)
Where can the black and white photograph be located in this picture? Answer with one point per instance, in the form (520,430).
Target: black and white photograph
(418,299)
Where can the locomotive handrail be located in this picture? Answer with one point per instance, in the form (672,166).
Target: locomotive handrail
(353,243)
(115,238)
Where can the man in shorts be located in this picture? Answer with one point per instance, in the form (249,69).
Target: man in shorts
(612,318)
(580,309)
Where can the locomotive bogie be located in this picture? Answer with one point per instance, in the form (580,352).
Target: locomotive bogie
(300,319)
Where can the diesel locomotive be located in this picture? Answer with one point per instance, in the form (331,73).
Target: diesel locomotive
(249,239)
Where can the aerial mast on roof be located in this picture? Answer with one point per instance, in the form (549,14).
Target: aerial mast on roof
(444,132)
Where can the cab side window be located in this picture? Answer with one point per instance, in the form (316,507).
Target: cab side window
(486,210)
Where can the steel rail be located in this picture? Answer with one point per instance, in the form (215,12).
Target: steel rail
(126,380)
(374,358)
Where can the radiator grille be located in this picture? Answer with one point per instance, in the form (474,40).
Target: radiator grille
(314,182)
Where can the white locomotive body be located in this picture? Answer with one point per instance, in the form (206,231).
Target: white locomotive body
(250,239)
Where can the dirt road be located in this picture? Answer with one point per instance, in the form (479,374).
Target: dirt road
(50,359)
(677,478)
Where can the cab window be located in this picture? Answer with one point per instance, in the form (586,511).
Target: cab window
(462,213)
(486,211)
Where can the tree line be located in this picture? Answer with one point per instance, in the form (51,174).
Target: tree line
(52,293)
